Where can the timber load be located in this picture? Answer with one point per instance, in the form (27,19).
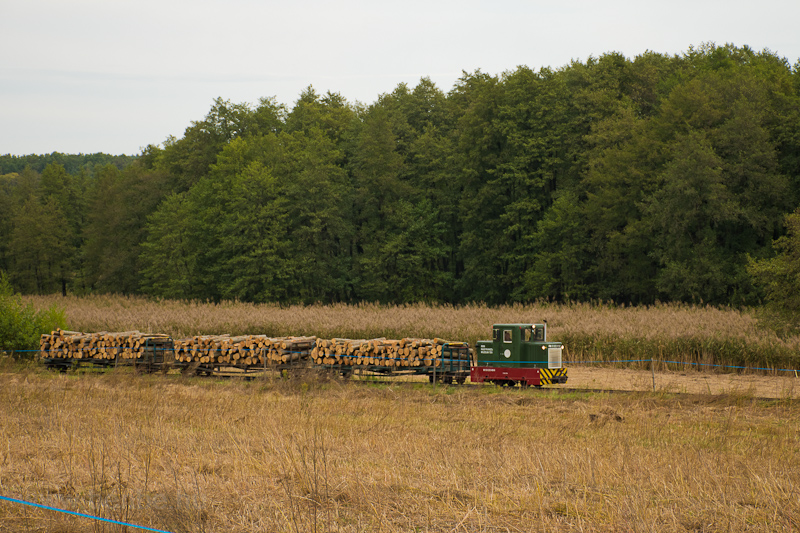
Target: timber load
(402,353)
(209,354)
(244,350)
(61,344)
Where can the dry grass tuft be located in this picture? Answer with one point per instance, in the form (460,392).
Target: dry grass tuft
(191,455)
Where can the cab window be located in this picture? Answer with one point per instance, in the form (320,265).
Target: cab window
(506,335)
(527,334)
(538,333)
(495,334)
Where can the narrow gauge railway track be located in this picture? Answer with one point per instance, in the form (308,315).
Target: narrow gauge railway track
(359,378)
(560,390)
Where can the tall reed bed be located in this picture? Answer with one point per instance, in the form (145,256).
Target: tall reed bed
(590,332)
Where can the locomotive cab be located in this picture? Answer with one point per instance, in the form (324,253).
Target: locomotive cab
(519,353)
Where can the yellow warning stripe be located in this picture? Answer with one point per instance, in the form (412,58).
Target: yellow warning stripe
(546,375)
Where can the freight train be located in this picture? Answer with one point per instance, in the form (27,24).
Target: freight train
(518,354)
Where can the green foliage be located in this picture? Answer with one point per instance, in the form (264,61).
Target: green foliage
(115,226)
(190,158)
(402,268)
(677,200)
(168,261)
(558,269)
(779,278)
(248,231)
(21,325)
(41,246)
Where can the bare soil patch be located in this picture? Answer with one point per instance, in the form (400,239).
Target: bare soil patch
(689,381)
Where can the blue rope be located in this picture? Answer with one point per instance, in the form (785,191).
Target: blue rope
(603,362)
(510,361)
(726,366)
(23,502)
(679,363)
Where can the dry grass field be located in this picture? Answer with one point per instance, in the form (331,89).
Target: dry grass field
(305,454)
(668,332)
(309,454)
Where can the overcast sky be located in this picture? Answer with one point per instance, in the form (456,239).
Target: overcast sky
(85,76)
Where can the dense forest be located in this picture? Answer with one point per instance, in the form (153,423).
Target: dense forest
(657,178)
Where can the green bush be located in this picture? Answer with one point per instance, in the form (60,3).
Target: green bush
(21,325)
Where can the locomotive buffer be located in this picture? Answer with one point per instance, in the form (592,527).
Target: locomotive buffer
(518,353)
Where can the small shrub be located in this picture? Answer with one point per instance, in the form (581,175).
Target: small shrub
(21,325)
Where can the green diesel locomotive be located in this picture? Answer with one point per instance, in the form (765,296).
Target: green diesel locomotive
(518,353)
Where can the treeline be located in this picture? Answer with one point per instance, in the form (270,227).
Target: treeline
(72,163)
(632,180)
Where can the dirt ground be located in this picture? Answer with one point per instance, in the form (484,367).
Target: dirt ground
(786,385)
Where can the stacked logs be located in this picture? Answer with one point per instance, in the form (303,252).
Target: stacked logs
(408,352)
(249,350)
(244,350)
(104,345)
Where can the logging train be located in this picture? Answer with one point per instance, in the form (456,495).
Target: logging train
(517,354)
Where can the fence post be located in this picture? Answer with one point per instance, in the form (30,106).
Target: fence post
(653,371)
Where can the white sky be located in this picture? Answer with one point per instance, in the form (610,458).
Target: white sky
(85,76)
